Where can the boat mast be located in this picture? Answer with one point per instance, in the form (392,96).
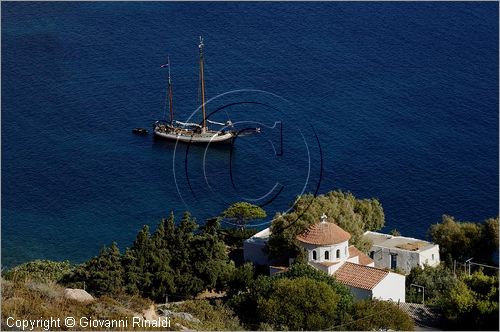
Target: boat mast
(204,123)
(170,94)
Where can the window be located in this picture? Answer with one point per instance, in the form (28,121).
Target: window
(314,254)
(372,254)
(432,256)
(327,255)
(338,253)
(394,258)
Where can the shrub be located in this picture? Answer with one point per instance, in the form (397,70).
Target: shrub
(473,303)
(462,240)
(436,281)
(299,304)
(298,270)
(217,317)
(39,271)
(371,315)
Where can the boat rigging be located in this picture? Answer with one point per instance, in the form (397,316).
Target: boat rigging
(189,131)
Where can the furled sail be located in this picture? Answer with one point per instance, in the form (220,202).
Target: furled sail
(190,124)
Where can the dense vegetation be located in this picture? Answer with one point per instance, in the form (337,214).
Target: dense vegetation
(39,271)
(304,298)
(174,260)
(463,240)
(472,304)
(354,215)
(467,301)
(182,260)
(435,280)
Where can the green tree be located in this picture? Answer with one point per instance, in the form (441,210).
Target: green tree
(245,302)
(354,215)
(162,274)
(490,235)
(212,226)
(472,304)
(436,281)
(211,263)
(174,260)
(240,279)
(241,213)
(196,260)
(463,240)
(102,275)
(300,270)
(137,260)
(299,304)
(373,315)
(186,282)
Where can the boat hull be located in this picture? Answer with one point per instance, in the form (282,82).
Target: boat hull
(196,138)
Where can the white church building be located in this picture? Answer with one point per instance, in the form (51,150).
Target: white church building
(328,250)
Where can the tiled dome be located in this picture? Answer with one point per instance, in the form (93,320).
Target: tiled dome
(324,233)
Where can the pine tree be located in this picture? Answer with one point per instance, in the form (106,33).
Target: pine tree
(114,268)
(163,276)
(102,275)
(169,226)
(137,262)
(186,282)
(211,259)
(212,226)
(132,272)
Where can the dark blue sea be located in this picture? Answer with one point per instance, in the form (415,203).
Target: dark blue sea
(397,101)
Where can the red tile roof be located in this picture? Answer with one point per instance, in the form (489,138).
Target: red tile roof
(324,233)
(364,259)
(327,264)
(359,276)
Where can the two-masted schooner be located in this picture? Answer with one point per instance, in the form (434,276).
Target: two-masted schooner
(191,132)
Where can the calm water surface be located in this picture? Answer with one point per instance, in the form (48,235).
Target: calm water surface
(403,98)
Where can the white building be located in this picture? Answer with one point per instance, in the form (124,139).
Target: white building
(368,282)
(328,250)
(254,248)
(401,252)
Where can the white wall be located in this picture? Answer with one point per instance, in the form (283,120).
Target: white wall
(406,260)
(430,256)
(320,252)
(392,287)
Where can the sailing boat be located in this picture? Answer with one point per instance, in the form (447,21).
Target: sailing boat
(192,132)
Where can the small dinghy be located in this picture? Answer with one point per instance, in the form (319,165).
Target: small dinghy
(140,131)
